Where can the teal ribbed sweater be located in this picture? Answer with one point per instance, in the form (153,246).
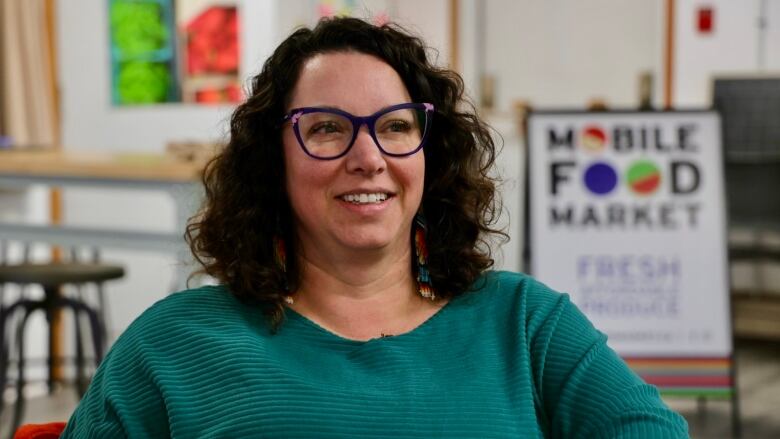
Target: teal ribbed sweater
(511,359)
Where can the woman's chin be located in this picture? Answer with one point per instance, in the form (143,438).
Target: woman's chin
(365,245)
(365,241)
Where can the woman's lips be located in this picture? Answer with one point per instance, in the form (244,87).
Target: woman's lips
(368,207)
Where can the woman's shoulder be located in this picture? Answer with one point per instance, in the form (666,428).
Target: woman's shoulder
(499,286)
(204,299)
(184,312)
(511,296)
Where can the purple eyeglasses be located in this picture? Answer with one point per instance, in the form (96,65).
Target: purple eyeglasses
(329,133)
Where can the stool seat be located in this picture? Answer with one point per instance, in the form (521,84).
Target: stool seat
(54,274)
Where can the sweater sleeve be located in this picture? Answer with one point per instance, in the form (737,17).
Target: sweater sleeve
(122,400)
(585,390)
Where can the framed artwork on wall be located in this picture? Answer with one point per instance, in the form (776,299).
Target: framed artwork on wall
(174,51)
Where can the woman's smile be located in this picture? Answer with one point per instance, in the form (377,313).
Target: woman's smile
(366,204)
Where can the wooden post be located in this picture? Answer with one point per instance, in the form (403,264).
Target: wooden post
(669,56)
(55,197)
(455,35)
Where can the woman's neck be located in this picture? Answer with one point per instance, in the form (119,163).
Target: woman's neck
(363,299)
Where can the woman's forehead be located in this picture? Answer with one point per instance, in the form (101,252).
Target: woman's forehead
(352,81)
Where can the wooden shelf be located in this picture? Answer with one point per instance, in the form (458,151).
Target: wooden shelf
(91,164)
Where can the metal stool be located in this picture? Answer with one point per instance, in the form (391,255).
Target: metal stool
(51,277)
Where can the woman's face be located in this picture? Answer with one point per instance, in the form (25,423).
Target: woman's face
(326,223)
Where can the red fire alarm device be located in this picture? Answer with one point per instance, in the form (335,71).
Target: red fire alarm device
(705,20)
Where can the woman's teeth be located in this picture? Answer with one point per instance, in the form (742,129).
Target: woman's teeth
(364,198)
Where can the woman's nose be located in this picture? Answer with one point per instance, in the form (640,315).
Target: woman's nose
(364,156)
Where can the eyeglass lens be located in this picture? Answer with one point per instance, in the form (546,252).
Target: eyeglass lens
(327,134)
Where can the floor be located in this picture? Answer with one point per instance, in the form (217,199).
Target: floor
(759,388)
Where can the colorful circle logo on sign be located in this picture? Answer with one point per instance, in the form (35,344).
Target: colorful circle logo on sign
(643,177)
(593,138)
(600,178)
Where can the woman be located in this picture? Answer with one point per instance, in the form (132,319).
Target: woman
(346,222)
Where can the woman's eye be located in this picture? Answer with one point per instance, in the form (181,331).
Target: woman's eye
(325,128)
(398,126)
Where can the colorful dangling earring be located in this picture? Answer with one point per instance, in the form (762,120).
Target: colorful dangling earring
(421,252)
(280,256)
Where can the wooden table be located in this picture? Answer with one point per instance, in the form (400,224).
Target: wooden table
(58,168)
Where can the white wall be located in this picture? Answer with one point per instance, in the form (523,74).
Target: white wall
(771,38)
(735,47)
(509,167)
(559,53)
(731,48)
(428,19)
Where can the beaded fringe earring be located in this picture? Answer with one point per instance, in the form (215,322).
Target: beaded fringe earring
(421,258)
(280,256)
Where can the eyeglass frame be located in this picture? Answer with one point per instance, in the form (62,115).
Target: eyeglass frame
(357,122)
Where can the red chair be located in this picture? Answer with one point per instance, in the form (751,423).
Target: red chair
(52,430)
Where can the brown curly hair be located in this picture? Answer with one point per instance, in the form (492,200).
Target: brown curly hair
(246,203)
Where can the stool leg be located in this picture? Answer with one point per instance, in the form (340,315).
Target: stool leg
(94,323)
(103,310)
(51,295)
(103,307)
(80,384)
(6,316)
(79,307)
(4,358)
(19,406)
(97,336)
(50,360)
